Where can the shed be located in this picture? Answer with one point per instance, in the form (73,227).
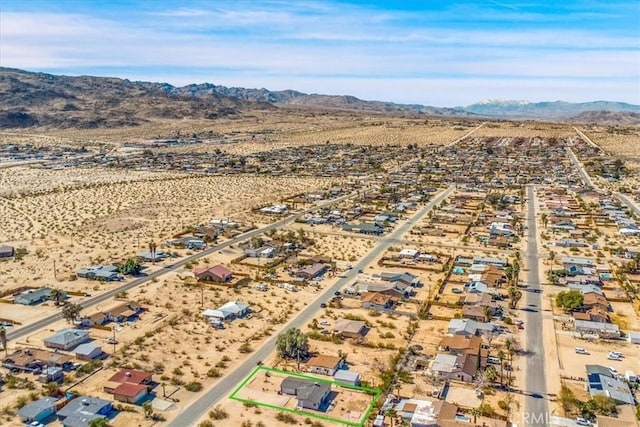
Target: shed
(347,377)
(634,337)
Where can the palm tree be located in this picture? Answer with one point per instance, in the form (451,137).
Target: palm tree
(152,250)
(392,414)
(3,339)
(488,312)
(501,357)
(545,219)
(148,409)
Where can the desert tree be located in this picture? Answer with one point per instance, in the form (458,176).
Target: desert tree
(71,311)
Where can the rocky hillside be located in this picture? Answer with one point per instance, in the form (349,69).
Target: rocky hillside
(300,99)
(38,99)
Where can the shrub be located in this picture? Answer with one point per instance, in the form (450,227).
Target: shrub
(286,418)
(508,321)
(218,413)
(193,386)
(214,373)
(502,405)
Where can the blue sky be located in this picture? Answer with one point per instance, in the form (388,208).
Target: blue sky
(442,53)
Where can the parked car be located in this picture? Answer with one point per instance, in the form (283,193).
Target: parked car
(613,356)
(582,422)
(581,350)
(111,341)
(323,305)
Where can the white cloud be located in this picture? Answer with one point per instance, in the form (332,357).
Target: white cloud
(357,51)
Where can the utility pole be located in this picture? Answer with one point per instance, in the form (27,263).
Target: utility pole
(54,270)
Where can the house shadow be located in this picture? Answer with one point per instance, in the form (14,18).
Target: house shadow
(328,401)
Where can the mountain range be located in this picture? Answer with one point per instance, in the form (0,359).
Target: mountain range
(29,99)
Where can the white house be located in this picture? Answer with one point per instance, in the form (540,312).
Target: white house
(228,311)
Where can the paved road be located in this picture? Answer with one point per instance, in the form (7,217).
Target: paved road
(583,173)
(419,243)
(632,205)
(635,208)
(89,302)
(536,406)
(190,415)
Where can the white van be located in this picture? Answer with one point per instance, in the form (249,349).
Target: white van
(493,360)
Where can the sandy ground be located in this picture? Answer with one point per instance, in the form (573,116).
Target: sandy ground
(97,223)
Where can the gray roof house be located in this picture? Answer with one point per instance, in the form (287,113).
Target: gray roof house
(600,384)
(405,277)
(498,262)
(33,296)
(38,410)
(66,339)
(597,328)
(99,272)
(468,327)
(310,394)
(88,351)
(80,411)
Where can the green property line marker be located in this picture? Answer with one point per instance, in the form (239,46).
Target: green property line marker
(375,392)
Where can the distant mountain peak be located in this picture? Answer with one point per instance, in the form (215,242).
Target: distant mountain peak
(500,101)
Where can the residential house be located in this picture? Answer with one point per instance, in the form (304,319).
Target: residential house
(498,262)
(603,330)
(126,311)
(572,243)
(427,413)
(98,318)
(312,271)
(350,328)
(461,344)
(88,351)
(218,274)
(310,394)
(105,273)
(158,256)
(594,300)
(592,315)
(33,296)
(67,339)
(80,411)
(325,365)
(600,382)
(576,264)
(31,359)
(468,327)
(261,252)
(453,367)
(51,374)
(376,301)
(38,411)
(364,228)
(347,377)
(7,251)
(474,312)
(408,253)
(129,386)
(585,288)
(229,311)
(395,289)
(404,277)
